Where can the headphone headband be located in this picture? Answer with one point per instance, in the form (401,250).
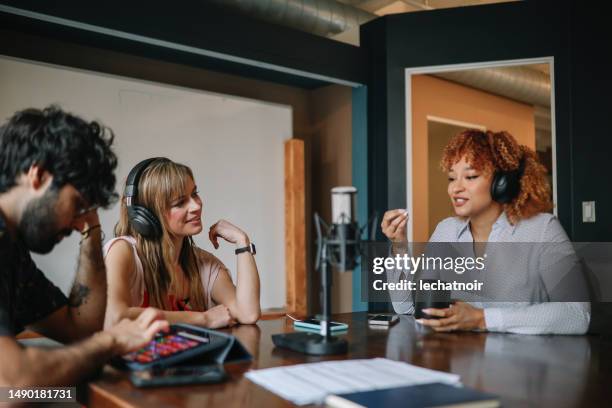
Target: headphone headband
(133,178)
(141,218)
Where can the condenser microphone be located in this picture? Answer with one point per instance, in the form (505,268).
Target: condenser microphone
(344,229)
(342,238)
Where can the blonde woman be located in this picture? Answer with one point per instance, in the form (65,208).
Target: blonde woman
(153,261)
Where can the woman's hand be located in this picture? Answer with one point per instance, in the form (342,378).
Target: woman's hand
(394,225)
(459,316)
(228,232)
(218,316)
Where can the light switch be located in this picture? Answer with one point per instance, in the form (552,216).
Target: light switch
(588,211)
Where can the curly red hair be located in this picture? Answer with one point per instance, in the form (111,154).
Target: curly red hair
(499,151)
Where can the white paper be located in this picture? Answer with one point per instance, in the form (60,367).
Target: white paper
(310,383)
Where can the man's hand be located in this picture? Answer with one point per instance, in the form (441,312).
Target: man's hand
(459,316)
(228,232)
(394,225)
(130,335)
(218,316)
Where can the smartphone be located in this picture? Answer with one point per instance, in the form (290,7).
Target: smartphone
(316,325)
(160,377)
(383,320)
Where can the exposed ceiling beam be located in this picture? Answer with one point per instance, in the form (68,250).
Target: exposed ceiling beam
(418,4)
(371,5)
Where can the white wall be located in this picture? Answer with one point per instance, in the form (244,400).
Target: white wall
(234,147)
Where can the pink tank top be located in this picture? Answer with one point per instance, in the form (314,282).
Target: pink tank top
(210,266)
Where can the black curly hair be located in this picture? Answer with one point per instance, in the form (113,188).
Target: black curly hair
(74,151)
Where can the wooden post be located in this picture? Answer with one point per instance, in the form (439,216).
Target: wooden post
(295,228)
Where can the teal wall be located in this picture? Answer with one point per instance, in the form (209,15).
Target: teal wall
(360,176)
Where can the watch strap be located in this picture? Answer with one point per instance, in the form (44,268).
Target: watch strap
(249,248)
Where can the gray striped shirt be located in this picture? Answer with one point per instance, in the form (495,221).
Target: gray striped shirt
(538,316)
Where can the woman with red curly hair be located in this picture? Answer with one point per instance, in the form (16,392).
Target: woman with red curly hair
(499,193)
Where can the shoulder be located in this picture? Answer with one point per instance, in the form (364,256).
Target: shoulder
(123,244)
(120,253)
(540,219)
(542,227)
(448,229)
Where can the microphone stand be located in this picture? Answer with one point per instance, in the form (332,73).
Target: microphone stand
(324,343)
(327,344)
(313,343)
(326,283)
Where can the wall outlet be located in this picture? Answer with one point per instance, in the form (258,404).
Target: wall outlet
(588,211)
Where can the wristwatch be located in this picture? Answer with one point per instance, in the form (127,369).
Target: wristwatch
(250,248)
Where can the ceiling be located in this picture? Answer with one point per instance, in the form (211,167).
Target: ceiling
(383,7)
(336,19)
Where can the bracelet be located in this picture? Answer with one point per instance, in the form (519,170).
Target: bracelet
(85,234)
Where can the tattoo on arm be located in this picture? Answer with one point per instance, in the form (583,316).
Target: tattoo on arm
(78,295)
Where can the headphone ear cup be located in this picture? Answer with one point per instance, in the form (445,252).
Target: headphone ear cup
(505,186)
(498,186)
(144,222)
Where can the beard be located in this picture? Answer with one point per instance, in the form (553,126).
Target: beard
(38,228)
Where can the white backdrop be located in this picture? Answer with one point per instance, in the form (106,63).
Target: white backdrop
(233,145)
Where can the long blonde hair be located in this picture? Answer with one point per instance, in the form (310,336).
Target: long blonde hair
(161,182)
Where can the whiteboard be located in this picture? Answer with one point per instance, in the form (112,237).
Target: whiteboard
(233,145)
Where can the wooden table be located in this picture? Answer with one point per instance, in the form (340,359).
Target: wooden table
(524,370)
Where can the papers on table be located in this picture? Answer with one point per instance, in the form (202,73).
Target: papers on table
(311,383)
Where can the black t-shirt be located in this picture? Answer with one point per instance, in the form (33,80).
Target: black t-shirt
(26,295)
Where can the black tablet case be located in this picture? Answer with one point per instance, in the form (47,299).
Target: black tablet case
(231,351)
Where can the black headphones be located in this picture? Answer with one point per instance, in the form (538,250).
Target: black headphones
(506,185)
(143,220)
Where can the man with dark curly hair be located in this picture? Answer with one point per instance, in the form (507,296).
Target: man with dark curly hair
(55,170)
